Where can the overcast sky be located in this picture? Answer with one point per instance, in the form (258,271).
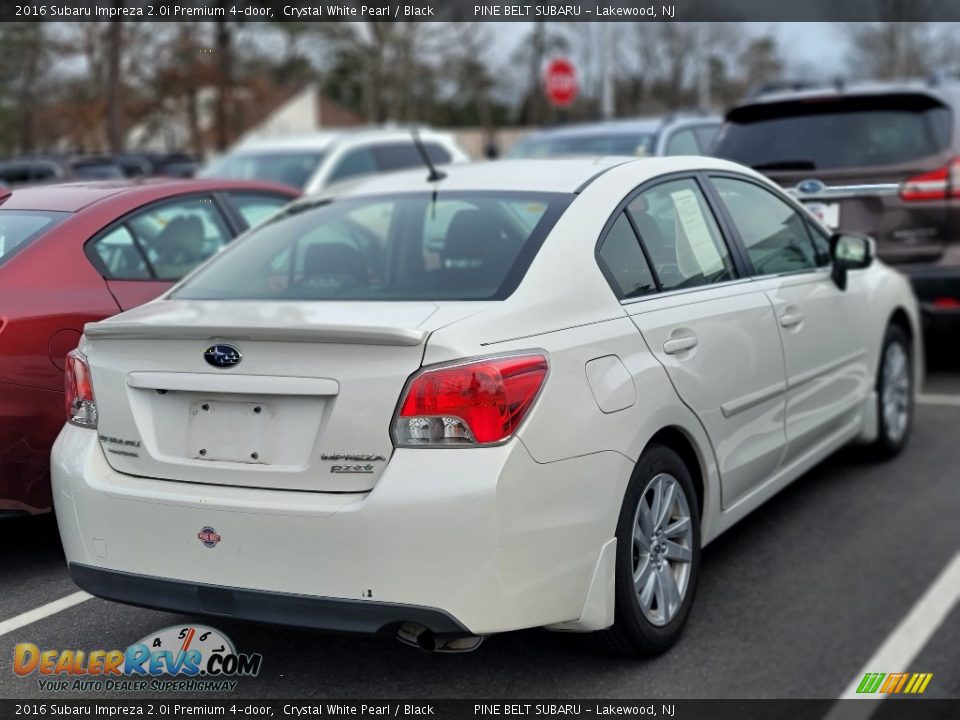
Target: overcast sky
(814,46)
(818,45)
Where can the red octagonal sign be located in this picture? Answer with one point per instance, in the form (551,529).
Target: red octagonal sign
(560,82)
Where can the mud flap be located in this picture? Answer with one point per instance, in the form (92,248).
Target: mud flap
(598,607)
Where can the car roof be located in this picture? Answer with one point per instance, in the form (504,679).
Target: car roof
(326,139)
(75,196)
(551,175)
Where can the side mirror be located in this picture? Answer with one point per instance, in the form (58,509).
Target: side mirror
(849,251)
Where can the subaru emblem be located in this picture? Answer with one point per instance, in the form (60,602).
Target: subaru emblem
(810,187)
(222,356)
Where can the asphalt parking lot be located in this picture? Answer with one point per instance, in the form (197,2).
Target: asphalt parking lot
(793,602)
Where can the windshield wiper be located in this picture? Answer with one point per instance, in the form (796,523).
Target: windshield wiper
(786,165)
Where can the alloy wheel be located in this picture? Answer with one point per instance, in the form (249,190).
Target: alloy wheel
(662,548)
(895,391)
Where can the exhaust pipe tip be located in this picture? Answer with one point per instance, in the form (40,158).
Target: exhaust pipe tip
(424,638)
(427,641)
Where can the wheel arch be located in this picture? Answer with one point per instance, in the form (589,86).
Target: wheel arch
(677,439)
(900,318)
(910,324)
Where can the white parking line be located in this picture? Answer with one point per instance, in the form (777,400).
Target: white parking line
(52,608)
(905,642)
(938,399)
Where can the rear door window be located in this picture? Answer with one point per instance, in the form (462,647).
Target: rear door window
(836,133)
(120,256)
(623,262)
(681,236)
(170,237)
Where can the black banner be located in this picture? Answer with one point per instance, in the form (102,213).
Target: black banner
(471,10)
(901,709)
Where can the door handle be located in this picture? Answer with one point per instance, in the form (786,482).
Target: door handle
(791,319)
(679,345)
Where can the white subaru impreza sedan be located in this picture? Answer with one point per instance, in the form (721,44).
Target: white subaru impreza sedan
(522,394)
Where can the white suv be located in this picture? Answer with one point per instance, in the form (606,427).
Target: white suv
(313,162)
(523,395)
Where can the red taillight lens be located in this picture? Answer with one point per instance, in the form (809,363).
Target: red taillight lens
(474,403)
(946,303)
(938,184)
(81,406)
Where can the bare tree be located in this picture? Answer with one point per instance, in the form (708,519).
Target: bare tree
(887,50)
(667,66)
(115,138)
(27,59)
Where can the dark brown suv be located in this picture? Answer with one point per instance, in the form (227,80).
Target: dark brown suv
(879,158)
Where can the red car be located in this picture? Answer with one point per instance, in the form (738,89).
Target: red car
(76,253)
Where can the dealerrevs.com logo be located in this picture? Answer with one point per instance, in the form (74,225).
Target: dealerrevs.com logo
(193,658)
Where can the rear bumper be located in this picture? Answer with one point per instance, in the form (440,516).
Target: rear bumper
(488,538)
(351,616)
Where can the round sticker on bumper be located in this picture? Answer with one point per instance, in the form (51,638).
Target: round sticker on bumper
(208,536)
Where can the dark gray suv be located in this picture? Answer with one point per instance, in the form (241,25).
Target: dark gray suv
(877,158)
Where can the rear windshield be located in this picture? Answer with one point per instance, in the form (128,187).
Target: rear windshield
(835,133)
(287,168)
(448,246)
(19,227)
(636,144)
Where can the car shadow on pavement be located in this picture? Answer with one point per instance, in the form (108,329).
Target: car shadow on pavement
(28,541)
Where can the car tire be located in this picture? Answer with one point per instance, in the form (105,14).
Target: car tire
(894,394)
(649,618)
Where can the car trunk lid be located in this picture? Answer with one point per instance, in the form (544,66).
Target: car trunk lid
(307,406)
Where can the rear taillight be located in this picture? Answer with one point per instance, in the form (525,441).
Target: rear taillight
(938,184)
(479,402)
(946,303)
(81,406)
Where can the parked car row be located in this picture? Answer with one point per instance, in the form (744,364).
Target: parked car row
(674,134)
(310,163)
(34,169)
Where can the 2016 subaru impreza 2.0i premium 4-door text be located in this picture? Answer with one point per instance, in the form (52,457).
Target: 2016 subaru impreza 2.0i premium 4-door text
(524,394)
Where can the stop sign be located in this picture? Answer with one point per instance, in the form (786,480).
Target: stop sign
(560,82)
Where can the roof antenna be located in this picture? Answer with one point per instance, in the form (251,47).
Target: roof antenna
(434,173)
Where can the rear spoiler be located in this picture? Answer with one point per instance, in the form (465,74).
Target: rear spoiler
(830,100)
(349,335)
